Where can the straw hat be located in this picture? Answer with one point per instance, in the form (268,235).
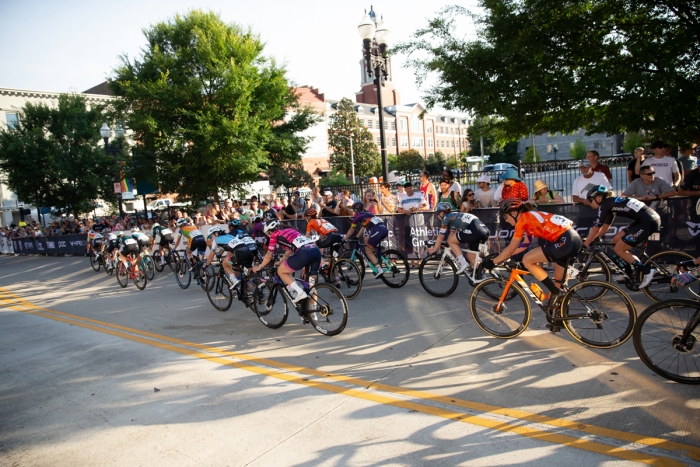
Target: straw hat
(539,184)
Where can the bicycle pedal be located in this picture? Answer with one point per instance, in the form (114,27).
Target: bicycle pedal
(553,328)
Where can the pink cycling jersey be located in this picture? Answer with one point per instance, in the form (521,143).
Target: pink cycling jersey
(288,239)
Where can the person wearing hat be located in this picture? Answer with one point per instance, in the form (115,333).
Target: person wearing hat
(587,180)
(511,187)
(665,166)
(329,206)
(484,193)
(309,204)
(543,195)
(412,202)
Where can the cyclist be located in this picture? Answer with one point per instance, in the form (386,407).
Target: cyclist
(375,228)
(258,232)
(237,230)
(196,243)
(561,243)
(144,241)
(322,227)
(460,228)
(95,242)
(300,252)
(163,237)
(109,247)
(645,222)
(126,245)
(237,253)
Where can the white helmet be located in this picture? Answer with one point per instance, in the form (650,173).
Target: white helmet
(216,230)
(271,225)
(111,236)
(135,229)
(182,221)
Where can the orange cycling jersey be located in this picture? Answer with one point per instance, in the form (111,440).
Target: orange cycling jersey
(542,225)
(321,226)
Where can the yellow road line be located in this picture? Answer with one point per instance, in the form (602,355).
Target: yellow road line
(18,303)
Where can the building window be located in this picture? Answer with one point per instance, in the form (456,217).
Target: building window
(417,142)
(393,142)
(442,143)
(603,146)
(571,146)
(404,140)
(417,125)
(379,141)
(386,125)
(360,110)
(12,121)
(430,142)
(402,125)
(369,123)
(453,143)
(429,127)
(549,149)
(362,121)
(393,125)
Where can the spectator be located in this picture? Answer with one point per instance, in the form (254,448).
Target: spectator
(511,187)
(649,188)
(268,212)
(329,206)
(456,187)
(587,180)
(412,202)
(593,157)
(370,202)
(686,159)
(664,166)
(289,211)
(400,190)
(469,201)
(427,188)
(316,197)
(388,202)
(484,193)
(277,204)
(543,195)
(631,172)
(308,204)
(346,199)
(447,195)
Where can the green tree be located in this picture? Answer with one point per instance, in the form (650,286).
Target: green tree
(436,163)
(334,178)
(53,158)
(579,150)
(345,125)
(632,141)
(531,155)
(557,65)
(291,176)
(509,154)
(409,161)
(208,109)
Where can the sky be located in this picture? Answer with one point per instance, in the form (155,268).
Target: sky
(64,46)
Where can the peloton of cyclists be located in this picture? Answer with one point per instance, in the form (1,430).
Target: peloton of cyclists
(375,228)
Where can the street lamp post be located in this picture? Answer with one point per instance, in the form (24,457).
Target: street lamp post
(375,42)
(352,157)
(113,150)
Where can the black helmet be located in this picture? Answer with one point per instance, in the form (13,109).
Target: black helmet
(595,191)
(510,204)
(443,207)
(358,206)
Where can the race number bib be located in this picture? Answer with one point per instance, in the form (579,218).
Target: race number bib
(129,241)
(248,241)
(467,218)
(635,204)
(195,233)
(376,220)
(235,242)
(561,221)
(166,232)
(300,241)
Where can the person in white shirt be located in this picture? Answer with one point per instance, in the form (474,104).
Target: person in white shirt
(587,180)
(665,166)
(410,203)
(484,193)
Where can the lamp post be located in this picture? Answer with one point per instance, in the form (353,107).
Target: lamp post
(374,40)
(113,150)
(352,157)
(555,153)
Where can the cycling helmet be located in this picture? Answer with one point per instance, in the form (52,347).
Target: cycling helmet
(182,221)
(120,233)
(216,230)
(443,207)
(111,236)
(234,223)
(508,205)
(257,219)
(311,212)
(271,225)
(135,229)
(595,191)
(240,210)
(358,206)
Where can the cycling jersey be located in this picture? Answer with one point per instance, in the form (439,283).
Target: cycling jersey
(143,239)
(288,239)
(367,219)
(127,244)
(245,238)
(94,236)
(464,222)
(542,225)
(258,231)
(320,226)
(191,232)
(625,207)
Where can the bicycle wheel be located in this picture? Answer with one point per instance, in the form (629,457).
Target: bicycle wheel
(140,278)
(346,277)
(598,314)
(494,290)
(94,261)
(661,288)
(359,262)
(156,261)
(506,321)
(220,296)
(109,271)
(183,275)
(270,305)
(656,336)
(122,274)
(171,259)
(148,265)
(327,309)
(396,269)
(437,276)
(598,270)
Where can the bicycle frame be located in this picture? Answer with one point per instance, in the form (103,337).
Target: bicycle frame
(447,253)
(380,256)
(515,276)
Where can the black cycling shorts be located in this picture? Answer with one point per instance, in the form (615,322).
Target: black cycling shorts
(129,249)
(639,230)
(165,240)
(198,245)
(241,256)
(96,243)
(308,254)
(109,246)
(473,239)
(565,247)
(376,234)
(330,240)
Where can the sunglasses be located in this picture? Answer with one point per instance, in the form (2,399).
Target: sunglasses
(470,195)
(649,173)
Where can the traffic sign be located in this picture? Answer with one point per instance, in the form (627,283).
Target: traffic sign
(117,187)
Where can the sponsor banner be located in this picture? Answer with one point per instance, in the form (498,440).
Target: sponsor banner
(6,247)
(60,245)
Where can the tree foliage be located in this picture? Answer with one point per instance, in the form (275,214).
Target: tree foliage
(289,175)
(409,161)
(557,65)
(53,158)
(579,150)
(210,112)
(436,163)
(532,156)
(496,143)
(632,141)
(344,125)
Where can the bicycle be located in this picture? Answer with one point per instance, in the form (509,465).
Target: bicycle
(148,265)
(98,260)
(171,257)
(607,320)
(437,272)
(184,271)
(325,307)
(394,263)
(666,339)
(598,264)
(219,290)
(131,270)
(343,273)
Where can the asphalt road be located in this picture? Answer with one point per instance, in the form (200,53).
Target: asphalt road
(93,374)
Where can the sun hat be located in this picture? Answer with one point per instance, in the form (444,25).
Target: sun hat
(484,178)
(509,174)
(539,184)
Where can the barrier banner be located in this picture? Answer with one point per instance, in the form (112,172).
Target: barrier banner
(60,245)
(6,247)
